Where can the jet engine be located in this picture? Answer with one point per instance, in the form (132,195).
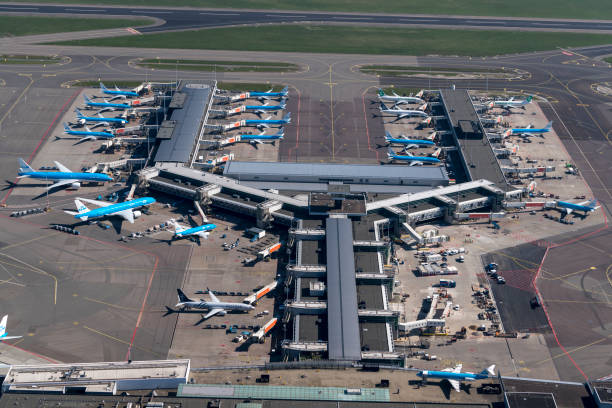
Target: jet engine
(75,186)
(137,213)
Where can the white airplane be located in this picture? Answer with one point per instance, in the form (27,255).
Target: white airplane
(404,113)
(454,375)
(214,306)
(511,103)
(3,335)
(398,100)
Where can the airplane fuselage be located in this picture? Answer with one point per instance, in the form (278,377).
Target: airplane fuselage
(85,133)
(61,175)
(266,121)
(265,107)
(195,230)
(409,112)
(99,119)
(108,105)
(398,99)
(116,208)
(423,159)
(446,375)
(122,93)
(215,305)
(410,141)
(260,137)
(517,131)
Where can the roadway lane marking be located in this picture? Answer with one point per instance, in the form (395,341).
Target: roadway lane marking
(86,10)
(352,18)
(485,22)
(284,16)
(550,24)
(220,14)
(419,20)
(18,8)
(151,12)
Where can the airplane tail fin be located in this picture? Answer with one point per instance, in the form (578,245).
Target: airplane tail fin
(79,114)
(87,100)
(182,297)
(548,125)
(66,127)
(3,325)
(388,136)
(285,90)
(390,152)
(81,209)
(381,92)
(490,370)
(419,94)
(529,98)
(287,117)
(423,107)
(592,203)
(23,166)
(102,87)
(280,133)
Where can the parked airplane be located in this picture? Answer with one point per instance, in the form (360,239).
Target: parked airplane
(587,206)
(511,103)
(261,138)
(117,92)
(404,113)
(101,120)
(124,210)
(3,335)
(64,176)
(269,94)
(88,134)
(266,123)
(407,143)
(529,131)
(106,106)
(201,231)
(455,376)
(397,99)
(214,306)
(413,160)
(261,109)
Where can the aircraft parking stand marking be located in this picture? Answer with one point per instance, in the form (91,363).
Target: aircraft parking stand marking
(123,341)
(39,271)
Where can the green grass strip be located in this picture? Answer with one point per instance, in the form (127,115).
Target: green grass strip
(581,9)
(216,62)
(12,26)
(355,39)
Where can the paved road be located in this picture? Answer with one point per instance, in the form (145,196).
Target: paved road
(185,18)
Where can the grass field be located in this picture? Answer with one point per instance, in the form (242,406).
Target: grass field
(585,9)
(96,84)
(12,26)
(217,66)
(363,40)
(29,59)
(609,60)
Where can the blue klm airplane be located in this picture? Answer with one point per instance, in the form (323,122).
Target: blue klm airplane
(117,92)
(260,109)
(261,138)
(529,131)
(88,134)
(64,176)
(266,123)
(105,106)
(413,160)
(101,120)
(408,143)
(586,206)
(270,94)
(455,376)
(124,210)
(201,231)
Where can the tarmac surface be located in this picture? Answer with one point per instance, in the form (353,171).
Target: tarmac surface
(189,18)
(329,96)
(86,298)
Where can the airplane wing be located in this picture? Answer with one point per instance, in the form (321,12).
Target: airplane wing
(106,109)
(127,215)
(10,338)
(403,115)
(117,97)
(62,183)
(456,385)
(212,296)
(212,313)
(416,163)
(61,167)
(96,202)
